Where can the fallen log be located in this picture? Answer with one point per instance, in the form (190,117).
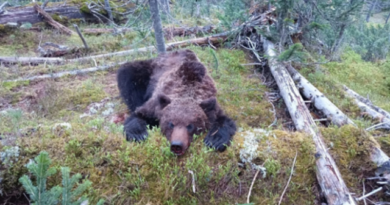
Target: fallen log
(366,101)
(67,73)
(366,109)
(214,39)
(168,32)
(48,19)
(336,115)
(29,15)
(328,175)
(30,60)
(320,102)
(170,46)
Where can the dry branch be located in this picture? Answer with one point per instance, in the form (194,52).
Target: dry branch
(29,14)
(30,60)
(168,32)
(52,22)
(319,100)
(366,101)
(328,175)
(198,41)
(81,36)
(215,39)
(66,73)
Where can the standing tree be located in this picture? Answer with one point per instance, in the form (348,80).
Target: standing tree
(158,31)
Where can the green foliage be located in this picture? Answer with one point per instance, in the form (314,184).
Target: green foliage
(293,53)
(234,13)
(371,42)
(41,171)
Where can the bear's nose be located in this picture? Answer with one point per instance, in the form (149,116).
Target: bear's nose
(177,147)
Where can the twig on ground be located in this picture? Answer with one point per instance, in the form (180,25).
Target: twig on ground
(193,180)
(250,189)
(247,64)
(274,112)
(289,179)
(369,194)
(364,192)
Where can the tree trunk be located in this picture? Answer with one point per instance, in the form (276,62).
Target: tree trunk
(337,42)
(109,11)
(370,10)
(320,102)
(52,22)
(387,18)
(329,178)
(158,32)
(29,14)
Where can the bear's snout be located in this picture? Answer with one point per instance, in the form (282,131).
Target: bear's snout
(179,140)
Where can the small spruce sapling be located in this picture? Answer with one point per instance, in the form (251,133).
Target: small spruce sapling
(40,196)
(40,169)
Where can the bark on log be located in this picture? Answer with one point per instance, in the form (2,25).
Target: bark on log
(29,15)
(328,175)
(52,22)
(366,101)
(320,102)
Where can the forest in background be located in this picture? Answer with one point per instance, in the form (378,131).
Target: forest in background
(60,105)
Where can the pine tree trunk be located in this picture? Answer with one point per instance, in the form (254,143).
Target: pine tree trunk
(387,18)
(158,31)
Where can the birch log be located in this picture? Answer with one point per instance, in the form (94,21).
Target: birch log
(366,101)
(328,175)
(318,99)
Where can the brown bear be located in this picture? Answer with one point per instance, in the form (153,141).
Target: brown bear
(175,92)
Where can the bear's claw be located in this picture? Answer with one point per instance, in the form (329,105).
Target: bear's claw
(135,129)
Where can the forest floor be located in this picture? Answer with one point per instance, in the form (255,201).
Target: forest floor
(74,119)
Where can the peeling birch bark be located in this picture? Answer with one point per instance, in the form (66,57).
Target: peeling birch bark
(328,175)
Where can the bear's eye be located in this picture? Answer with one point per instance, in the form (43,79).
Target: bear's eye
(171,125)
(190,127)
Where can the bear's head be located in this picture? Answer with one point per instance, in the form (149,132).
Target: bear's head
(181,119)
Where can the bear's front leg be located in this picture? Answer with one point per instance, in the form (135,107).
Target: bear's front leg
(135,129)
(221,133)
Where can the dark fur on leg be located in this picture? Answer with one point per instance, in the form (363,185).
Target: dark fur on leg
(221,133)
(135,129)
(133,82)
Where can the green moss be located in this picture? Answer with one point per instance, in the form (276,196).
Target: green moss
(60,19)
(350,147)
(11,84)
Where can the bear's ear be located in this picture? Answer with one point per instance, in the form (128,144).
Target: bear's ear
(163,100)
(208,105)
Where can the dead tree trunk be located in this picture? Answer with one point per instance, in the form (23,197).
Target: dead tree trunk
(52,22)
(320,102)
(158,31)
(109,11)
(328,175)
(29,14)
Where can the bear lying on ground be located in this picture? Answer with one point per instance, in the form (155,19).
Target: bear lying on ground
(175,92)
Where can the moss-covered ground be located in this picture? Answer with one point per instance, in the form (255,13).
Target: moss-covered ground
(148,173)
